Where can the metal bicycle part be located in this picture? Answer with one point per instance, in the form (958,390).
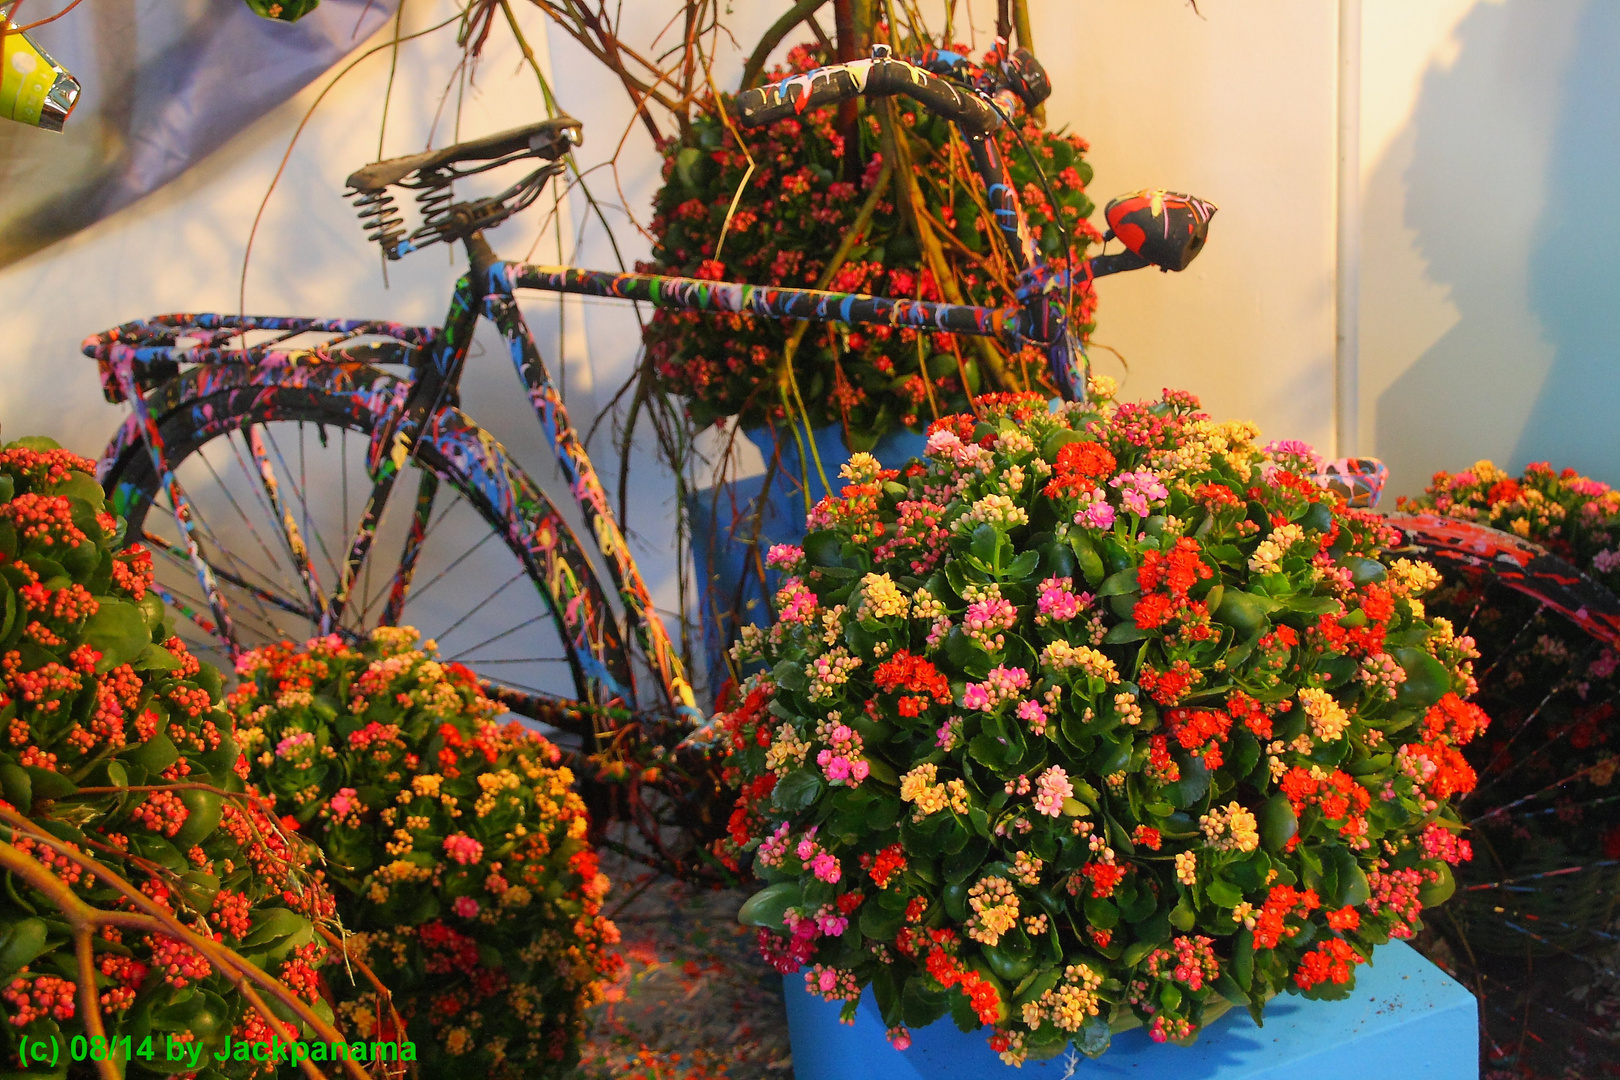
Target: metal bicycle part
(470,551)
(1531,928)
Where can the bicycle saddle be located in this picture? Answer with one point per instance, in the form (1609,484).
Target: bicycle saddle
(549,139)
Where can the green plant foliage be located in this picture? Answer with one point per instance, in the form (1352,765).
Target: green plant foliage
(458,849)
(116,745)
(282,10)
(1084,722)
(793,212)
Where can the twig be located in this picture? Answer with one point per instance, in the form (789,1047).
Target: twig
(768,41)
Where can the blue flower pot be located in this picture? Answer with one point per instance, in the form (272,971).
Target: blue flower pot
(722,518)
(1406,1019)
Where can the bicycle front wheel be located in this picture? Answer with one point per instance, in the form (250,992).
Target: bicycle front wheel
(468,549)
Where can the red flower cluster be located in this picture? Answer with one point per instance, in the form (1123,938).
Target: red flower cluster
(1283,901)
(1200,732)
(1332,961)
(1336,793)
(1080,466)
(916,674)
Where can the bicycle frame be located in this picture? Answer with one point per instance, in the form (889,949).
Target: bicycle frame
(488,291)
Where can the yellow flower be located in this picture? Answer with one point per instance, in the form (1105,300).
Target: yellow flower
(1328,718)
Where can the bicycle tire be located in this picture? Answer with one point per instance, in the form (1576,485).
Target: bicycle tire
(1533,916)
(204,405)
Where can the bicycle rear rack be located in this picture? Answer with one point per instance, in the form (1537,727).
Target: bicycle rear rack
(156,347)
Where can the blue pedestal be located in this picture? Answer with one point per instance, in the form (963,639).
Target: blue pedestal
(722,522)
(1406,1018)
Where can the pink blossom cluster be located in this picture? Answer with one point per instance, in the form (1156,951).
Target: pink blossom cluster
(1095,511)
(784,557)
(1139,489)
(463,848)
(1440,842)
(794,602)
(1033,714)
(1058,602)
(841,762)
(1003,684)
(985,619)
(1052,788)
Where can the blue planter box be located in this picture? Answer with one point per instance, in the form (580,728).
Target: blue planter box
(721,524)
(1407,1018)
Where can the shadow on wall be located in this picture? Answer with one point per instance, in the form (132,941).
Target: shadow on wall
(1510,194)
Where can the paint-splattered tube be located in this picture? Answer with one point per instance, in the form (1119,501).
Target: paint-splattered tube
(34,89)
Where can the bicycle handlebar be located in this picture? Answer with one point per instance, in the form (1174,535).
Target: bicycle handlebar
(881,76)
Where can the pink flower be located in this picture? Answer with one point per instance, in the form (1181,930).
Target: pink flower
(1058,602)
(463,848)
(1139,489)
(825,866)
(899,1038)
(784,556)
(1054,787)
(1032,714)
(343,802)
(1099,516)
(465,906)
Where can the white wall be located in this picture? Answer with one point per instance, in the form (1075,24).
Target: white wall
(1490,291)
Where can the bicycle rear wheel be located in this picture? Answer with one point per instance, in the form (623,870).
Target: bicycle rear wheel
(468,550)
(1531,929)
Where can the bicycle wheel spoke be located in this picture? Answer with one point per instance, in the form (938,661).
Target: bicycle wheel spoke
(298,492)
(204,531)
(500,636)
(284,603)
(291,535)
(463,557)
(254,483)
(453,627)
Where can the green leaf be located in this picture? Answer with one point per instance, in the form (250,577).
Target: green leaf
(118,631)
(922,1000)
(1224,894)
(1093,1037)
(1119,584)
(1085,554)
(156,658)
(17,785)
(50,785)
(1022,566)
(1278,823)
(1101,913)
(984,543)
(154,755)
(1242,611)
(796,791)
(206,808)
(1440,891)
(272,925)
(1427,679)
(20,943)
(767,907)
(1126,632)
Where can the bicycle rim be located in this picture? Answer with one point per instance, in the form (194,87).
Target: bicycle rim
(1531,929)
(276,481)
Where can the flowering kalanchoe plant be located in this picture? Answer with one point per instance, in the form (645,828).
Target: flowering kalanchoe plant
(457,848)
(1094,717)
(786,219)
(1552,691)
(125,806)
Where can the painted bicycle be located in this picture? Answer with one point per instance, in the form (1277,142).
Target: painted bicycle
(297,476)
